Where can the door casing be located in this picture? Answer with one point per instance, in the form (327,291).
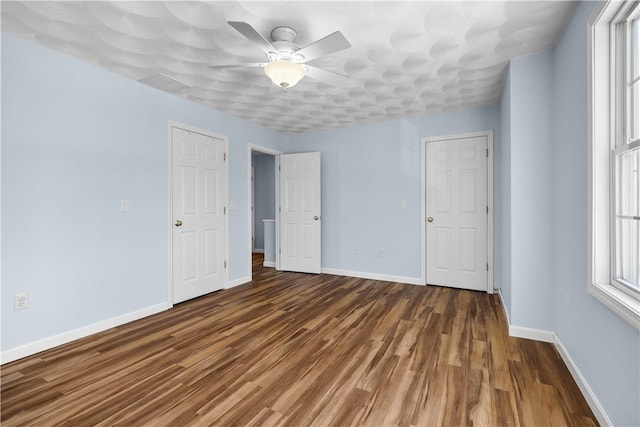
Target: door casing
(276,154)
(170,126)
(423,201)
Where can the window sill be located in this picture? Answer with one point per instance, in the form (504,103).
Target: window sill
(625,306)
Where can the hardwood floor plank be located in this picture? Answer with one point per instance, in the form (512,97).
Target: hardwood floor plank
(292,349)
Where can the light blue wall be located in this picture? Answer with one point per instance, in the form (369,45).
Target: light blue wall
(531,191)
(605,348)
(366,172)
(75,140)
(265,193)
(504,166)
(544,205)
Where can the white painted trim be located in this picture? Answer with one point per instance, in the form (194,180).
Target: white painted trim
(373,276)
(271,264)
(170,125)
(423,212)
(535,334)
(621,303)
(258,251)
(601,133)
(423,201)
(277,267)
(523,332)
(504,306)
(490,248)
(275,153)
(587,392)
(82,332)
(531,333)
(240,281)
(170,213)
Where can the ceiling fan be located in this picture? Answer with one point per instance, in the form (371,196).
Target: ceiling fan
(285,59)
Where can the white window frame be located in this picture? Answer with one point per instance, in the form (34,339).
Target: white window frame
(603,133)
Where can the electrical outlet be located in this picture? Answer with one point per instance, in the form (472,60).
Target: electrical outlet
(21,301)
(381,252)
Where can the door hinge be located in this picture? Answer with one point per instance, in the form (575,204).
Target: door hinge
(279,209)
(225,157)
(225,264)
(487,152)
(224,210)
(487,266)
(279,167)
(279,250)
(487,209)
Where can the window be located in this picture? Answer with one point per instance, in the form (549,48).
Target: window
(615,158)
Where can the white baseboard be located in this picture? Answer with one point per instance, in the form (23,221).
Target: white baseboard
(240,281)
(269,264)
(552,337)
(523,332)
(504,306)
(373,276)
(589,395)
(531,333)
(258,251)
(65,337)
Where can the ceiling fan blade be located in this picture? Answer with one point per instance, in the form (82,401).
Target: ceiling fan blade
(325,76)
(334,42)
(250,33)
(247,65)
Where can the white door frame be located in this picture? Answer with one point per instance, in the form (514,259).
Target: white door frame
(276,154)
(423,200)
(170,126)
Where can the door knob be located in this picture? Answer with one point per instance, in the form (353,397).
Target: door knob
(178,223)
(316,217)
(430,219)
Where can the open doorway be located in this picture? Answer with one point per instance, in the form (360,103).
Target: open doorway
(262,207)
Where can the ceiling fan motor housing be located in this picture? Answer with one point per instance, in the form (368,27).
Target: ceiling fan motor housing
(283,40)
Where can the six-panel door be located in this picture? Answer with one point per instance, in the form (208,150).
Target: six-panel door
(300,220)
(199,195)
(456,211)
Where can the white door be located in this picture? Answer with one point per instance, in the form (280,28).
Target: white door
(456,209)
(199,223)
(300,219)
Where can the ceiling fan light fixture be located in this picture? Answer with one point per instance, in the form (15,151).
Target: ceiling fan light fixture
(284,73)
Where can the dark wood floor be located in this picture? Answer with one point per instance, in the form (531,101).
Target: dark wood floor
(302,350)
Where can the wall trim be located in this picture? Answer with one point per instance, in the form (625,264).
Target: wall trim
(238,282)
(504,306)
(258,251)
(531,333)
(373,276)
(585,389)
(587,392)
(82,332)
(271,264)
(524,332)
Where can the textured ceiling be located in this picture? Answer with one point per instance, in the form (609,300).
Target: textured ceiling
(406,59)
